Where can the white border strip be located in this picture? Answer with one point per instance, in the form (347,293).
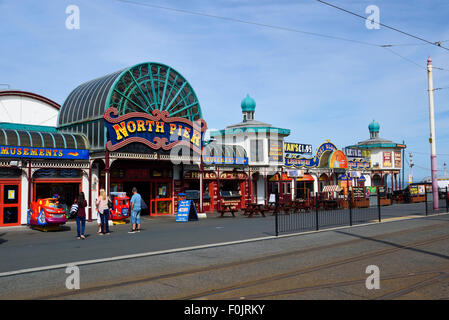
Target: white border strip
(153,253)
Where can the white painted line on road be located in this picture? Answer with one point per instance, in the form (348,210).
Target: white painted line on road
(206,246)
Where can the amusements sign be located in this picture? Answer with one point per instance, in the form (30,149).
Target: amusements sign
(157,131)
(43,153)
(224,160)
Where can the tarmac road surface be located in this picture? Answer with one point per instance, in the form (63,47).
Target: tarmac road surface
(411,257)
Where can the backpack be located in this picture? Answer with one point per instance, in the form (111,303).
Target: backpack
(74,209)
(143,205)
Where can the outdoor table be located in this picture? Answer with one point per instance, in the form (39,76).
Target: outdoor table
(256,208)
(301,205)
(227,208)
(286,207)
(330,204)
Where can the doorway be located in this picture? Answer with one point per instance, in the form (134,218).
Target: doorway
(9,204)
(143,188)
(161,197)
(67,192)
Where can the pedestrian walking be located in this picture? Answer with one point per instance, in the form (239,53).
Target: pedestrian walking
(136,207)
(103,209)
(81,216)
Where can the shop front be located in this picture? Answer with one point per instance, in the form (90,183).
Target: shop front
(10,193)
(144,124)
(152,179)
(192,189)
(304,187)
(39,163)
(64,184)
(233,186)
(281,183)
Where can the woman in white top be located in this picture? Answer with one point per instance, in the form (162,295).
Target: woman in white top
(103,210)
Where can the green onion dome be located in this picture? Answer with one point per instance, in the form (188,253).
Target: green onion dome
(248,104)
(374,126)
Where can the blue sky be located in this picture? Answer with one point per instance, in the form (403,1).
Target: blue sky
(317,87)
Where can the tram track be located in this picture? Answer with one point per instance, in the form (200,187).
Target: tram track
(144,280)
(311,269)
(435,276)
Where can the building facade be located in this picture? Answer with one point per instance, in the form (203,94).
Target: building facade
(385,157)
(142,127)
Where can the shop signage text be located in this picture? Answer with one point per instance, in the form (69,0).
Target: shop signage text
(186,211)
(224,160)
(387,159)
(196,175)
(397,159)
(43,153)
(310,162)
(275,152)
(353,153)
(297,148)
(157,131)
(233,176)
(359,164)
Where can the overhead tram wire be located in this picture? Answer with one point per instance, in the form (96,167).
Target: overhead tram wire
(420,167)
(438,43)
(383,46)
(267,25)
(407,59)
(249,22)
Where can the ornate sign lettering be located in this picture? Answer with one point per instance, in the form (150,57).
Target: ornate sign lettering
(157,131)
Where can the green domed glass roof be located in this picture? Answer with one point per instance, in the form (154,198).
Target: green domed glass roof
(248,104)
(374,126)
(144,87)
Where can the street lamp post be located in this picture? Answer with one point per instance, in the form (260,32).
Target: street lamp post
(433,154)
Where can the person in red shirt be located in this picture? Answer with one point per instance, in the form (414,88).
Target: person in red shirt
(81,216)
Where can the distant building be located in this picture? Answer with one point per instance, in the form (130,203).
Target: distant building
(264,145)
(385,156)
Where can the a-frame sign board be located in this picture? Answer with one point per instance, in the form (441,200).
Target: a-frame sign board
(186,211)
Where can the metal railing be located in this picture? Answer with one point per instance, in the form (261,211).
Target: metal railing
(443,204)
(320,212)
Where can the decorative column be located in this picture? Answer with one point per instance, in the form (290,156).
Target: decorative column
(107,173)
(89,193)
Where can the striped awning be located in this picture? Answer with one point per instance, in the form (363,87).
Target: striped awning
(333,188)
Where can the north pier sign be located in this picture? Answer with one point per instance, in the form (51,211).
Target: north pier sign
(157,131)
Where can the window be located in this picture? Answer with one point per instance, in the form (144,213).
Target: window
(256,148)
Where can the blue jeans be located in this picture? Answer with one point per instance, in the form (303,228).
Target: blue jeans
(80,221)
(105,221)
(135,217)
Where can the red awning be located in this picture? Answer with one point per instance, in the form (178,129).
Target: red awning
(306,177)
